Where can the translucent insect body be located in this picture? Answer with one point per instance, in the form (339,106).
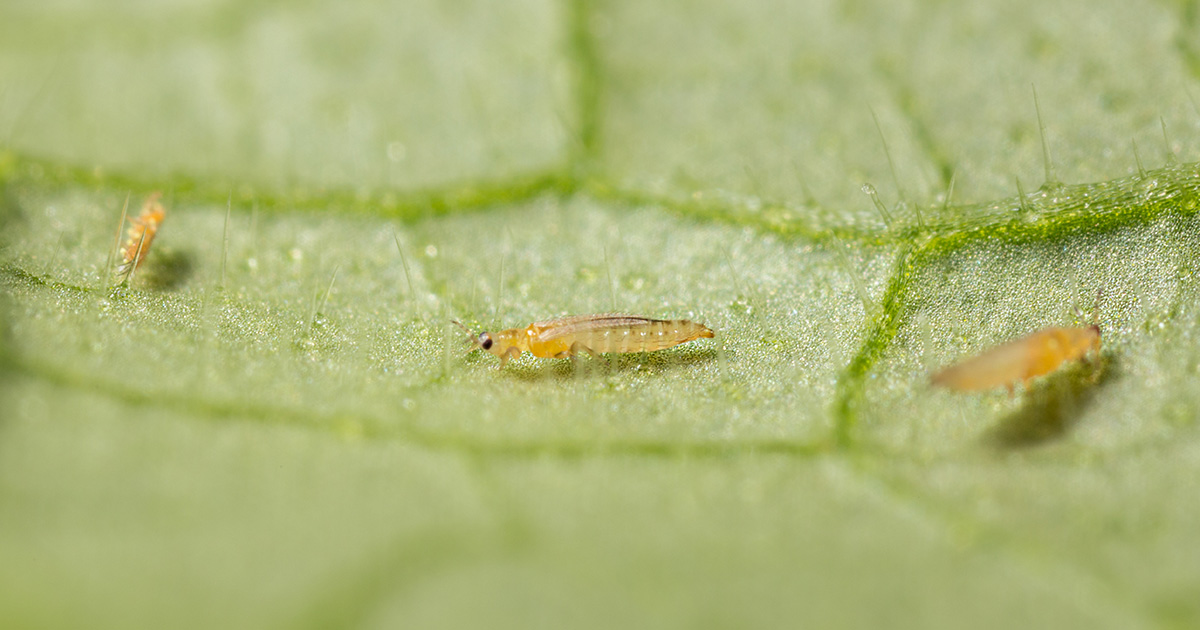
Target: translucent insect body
(593,334)
(1022,360)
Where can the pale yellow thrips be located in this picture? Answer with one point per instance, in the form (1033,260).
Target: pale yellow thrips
(1022,360)
(593,334)
(141,235)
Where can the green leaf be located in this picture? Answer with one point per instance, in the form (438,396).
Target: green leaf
(273,423)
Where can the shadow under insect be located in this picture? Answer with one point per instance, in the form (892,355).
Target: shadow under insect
(1053,406)
(584,365)
(167,270)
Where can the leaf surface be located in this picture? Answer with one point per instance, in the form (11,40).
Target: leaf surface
(275,423)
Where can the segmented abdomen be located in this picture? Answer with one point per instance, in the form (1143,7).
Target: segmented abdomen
(644,336)
(1030,357)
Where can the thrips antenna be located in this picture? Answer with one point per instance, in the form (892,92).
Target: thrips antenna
(471,339)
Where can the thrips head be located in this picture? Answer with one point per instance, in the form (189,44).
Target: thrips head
(482,340)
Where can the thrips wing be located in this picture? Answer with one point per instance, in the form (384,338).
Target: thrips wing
(556,328)
(999,366)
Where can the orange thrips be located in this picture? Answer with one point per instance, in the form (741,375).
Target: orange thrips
(593,334)
(141,234)
(1021,360)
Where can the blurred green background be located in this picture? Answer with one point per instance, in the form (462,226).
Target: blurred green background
(274,425)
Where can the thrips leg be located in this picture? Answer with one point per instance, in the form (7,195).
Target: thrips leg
(511,353)
(578,347)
